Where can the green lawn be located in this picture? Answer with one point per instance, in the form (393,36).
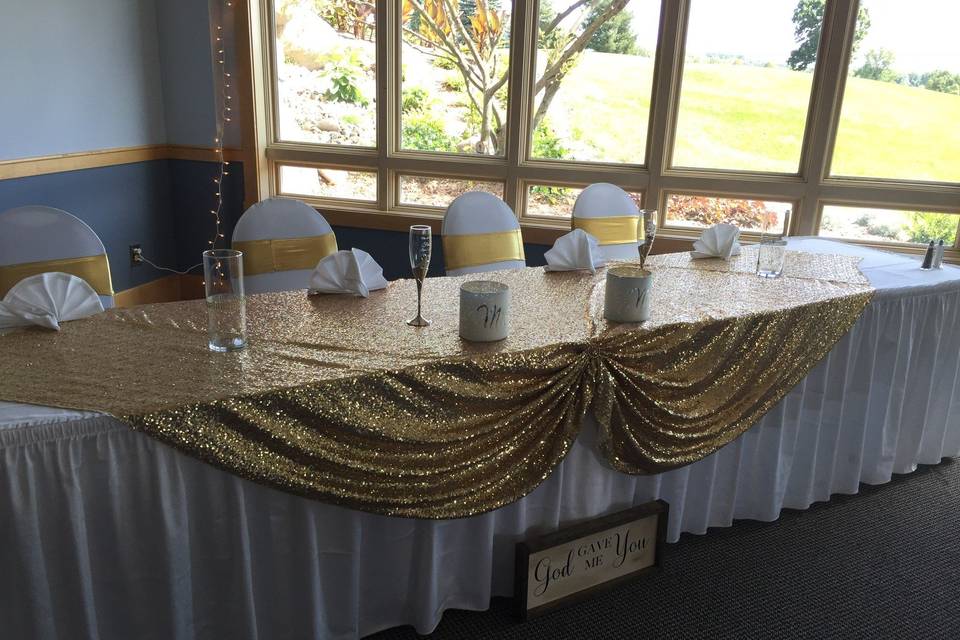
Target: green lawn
(752,118)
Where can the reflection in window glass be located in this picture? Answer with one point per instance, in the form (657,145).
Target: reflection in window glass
(901,106)
(746,85)
(455,62)
(759,216)
(326,82)
(888,225)
(325,182)
(592,97)
(556,201)
(440,192)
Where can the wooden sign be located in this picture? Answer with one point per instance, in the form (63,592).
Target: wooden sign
(575,563)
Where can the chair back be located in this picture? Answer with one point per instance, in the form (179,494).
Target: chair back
(282,240)
(608,213)
(481,233)
(37,239)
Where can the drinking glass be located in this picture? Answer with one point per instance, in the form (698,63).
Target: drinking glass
(226,304)
(421,246)
(770,257)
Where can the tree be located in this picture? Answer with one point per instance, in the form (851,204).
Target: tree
(476,51)
(942,81)
(878,65)
(808,21)
(616,34)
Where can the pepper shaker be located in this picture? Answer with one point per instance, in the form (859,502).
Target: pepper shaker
(928,257)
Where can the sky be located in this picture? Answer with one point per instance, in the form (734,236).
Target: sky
(923,34)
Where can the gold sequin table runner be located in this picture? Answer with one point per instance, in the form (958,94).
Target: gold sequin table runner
(338,399)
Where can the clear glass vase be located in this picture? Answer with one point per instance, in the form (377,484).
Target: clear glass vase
(226,303)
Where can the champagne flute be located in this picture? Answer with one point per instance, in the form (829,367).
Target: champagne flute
(647,229)
(421,246)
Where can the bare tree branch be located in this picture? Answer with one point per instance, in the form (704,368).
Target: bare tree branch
(579,44)
(450,45)
(426,49)
(458,26)
(563,14)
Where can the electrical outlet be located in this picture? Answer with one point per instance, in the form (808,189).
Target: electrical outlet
(136,255)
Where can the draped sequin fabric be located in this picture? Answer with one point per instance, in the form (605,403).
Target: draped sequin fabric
(338,399)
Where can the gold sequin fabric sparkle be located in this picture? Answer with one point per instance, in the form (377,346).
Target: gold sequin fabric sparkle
(336,398)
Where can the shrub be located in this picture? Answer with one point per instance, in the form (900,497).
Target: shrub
(748,214)
(883,231)
(414,99)
(444,63)
(924,227)
(454,83)
(546,144)
(943,81)
(426,133)
(343,70)
(343,87)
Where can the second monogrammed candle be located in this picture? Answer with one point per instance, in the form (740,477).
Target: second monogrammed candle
(484,311)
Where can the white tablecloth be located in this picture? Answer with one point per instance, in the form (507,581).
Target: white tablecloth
(105,533)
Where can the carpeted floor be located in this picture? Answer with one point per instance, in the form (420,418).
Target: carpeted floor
(881,564)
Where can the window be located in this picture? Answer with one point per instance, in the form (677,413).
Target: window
(328,182)
(594,105)
(744,92)
(752,216)
(429,191)
(780,116)
(901,107)
(889,225)
(326,75)
(455,68)
(556,201)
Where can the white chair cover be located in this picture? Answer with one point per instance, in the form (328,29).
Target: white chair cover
(477,212)
(603,200)
(274,219)
(37,233)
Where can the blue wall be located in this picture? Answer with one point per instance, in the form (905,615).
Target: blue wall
(389,248)
(124,204)
(194,196)
(186,66)
(78,76)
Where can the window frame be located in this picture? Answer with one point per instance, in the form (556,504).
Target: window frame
(809,189)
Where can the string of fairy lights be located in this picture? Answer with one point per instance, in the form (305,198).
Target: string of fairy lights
(224,115)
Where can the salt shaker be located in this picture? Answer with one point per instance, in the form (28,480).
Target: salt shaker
(928,257)
(938,255)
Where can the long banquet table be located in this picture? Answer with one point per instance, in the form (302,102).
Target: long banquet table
(107,533)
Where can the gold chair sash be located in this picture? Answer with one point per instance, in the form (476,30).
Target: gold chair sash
(471,250)
(94,269)
(610,229)
(285,254)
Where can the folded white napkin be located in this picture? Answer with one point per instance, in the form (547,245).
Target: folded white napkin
(47,299)
(573,251)
(353,271)
(719,241)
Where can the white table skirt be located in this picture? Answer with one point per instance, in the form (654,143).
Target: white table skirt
(105,533)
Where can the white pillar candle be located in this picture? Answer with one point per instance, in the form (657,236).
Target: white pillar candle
(627,296)
(484,311)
